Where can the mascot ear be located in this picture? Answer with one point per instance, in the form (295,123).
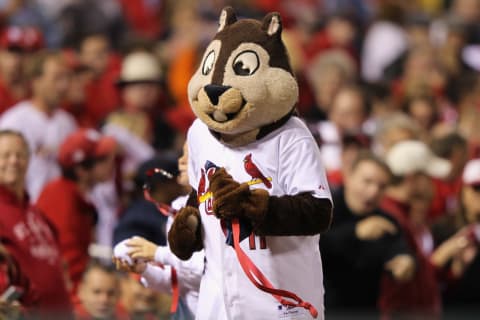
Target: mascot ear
(272,24)
(227,17)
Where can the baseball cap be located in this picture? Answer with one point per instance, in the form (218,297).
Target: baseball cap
(83,145)
(159,169)
(411,156)
(25,39)
(471,173)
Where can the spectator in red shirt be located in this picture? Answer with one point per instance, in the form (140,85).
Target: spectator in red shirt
(27,235)
(101,94)
(411,162)
(15,43)
(81,157)
(99,292)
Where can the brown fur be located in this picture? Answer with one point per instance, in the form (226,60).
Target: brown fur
(250,31)
(235,200)
(251,103)
(270,216)
(184,236)
(239,109)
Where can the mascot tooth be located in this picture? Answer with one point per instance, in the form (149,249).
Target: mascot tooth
(219,116)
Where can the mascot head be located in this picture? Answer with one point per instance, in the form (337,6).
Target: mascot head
(244,87)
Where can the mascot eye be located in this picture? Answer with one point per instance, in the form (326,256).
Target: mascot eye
(246,63)
(208,63)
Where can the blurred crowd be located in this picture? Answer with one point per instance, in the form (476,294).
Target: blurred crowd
(93,96)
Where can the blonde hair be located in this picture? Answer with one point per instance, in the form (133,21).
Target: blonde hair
(18,134)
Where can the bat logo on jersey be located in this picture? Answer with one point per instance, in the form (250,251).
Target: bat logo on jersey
(205,197)
(257,176)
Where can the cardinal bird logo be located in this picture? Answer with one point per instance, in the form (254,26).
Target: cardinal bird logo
(254,172)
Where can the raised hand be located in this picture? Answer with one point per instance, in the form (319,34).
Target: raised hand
(402,267)
(373,228)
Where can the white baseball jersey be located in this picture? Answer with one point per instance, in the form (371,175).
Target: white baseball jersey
(44,134)
(189,272)
(289,158)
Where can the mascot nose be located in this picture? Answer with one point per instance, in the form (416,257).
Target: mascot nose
(215,91)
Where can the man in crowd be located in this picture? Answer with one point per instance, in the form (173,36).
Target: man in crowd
(412,164)
(101,95)
(28,237)
(64,200)
(363,243)
(40,120)
(99,292)
(16,43)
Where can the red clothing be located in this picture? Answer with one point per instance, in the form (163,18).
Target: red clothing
(144,16)
(322,42)
(101,95)
(180,118)
(335,178)
(445,200)
(78,112)
(421,295)
(74,219)
(29,238)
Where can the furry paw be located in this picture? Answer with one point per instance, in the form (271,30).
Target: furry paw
(184,236)
(228,194)
(234,200)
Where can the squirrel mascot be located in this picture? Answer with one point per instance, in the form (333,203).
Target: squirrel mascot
(261,198)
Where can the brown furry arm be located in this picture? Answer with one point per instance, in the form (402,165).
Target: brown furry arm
(185,236)
(301,214)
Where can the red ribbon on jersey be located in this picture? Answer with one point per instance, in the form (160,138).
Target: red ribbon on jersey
(261,282)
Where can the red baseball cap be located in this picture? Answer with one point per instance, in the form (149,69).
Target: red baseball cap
(85,144)
(26,39)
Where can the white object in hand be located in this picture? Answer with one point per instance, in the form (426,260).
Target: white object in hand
(121,250)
